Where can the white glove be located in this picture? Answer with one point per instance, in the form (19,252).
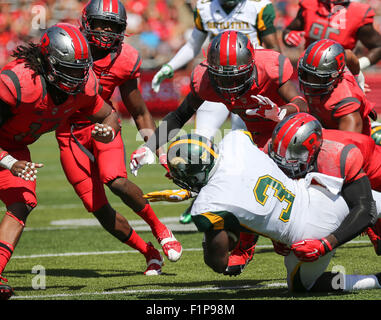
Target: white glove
(267,109)
(166,72)
(139,158)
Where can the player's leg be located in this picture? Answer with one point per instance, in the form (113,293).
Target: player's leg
(84,177)
(118,226)
(313,277)
(242,254)
(111,165)
(19,198)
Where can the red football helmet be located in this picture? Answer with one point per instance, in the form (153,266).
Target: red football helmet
(111,17)
(231,64)
(295,144)
(321,67)
(67,57)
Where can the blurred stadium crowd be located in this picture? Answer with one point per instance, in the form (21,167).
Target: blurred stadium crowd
(156,28)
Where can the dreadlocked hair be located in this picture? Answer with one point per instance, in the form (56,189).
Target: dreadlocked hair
(32,56)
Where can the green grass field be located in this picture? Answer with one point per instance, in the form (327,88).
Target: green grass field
(82,261)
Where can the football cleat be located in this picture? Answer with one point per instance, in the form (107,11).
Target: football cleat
(238,260)
(171,246)
(154,261)
(186,217)
(374,234)
(5,291)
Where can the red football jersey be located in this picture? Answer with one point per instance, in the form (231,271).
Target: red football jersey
(344,153)
(346,98)
(112,71)
(341,25)
(34,112)
(272,70)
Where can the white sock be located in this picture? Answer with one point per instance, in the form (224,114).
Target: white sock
(360,282)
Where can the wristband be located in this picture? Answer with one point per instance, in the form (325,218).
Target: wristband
(364,63)
(293,105)
(298,97)
(327,246)
(7,161)
(3,154)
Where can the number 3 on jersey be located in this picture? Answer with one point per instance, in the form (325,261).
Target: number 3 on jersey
(280,193)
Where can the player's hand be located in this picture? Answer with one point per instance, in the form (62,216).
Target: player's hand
(26,170)
(103,133)
(267,109)
(311,249)
(168,195)
(281,248)
(163,162)
(139,158)
(294,38)
(166,72)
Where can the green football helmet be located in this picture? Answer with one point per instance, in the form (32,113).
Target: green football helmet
(376,133)
(191,159)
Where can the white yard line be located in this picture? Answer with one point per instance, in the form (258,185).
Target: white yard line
(195,289)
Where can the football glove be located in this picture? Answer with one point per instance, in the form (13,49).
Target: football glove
(166,72)
(267,109)
(293,38)
(168,195)
(311,249)
(103,133)
(139,158)
(163,162)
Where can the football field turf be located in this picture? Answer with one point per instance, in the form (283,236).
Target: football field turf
(64,254)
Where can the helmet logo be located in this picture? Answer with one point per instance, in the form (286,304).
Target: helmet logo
(45,43)
(176,161)
(340,59)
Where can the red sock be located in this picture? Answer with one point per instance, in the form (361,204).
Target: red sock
(149,216)
(6,250)
(134,241)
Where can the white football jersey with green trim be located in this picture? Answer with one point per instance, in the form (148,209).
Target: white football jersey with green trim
(250,185)
(210,17)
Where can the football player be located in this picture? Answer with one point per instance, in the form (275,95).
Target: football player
(341,20)
(312,219)
(332,92)
(300,145)
(90,165)
(254,84)
(43,86)
(254,19)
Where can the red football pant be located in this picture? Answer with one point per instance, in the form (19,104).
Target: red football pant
(88,178)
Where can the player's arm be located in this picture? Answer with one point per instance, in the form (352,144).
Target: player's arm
(351,122)
(290,94)
(106,123)
(136,106)
(266,29)
(357,193)
(292,35)
(174,121)
(186,54)
(371,39)
(217,242)
(167,130)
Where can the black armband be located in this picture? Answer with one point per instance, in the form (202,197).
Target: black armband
(170,126)
(362,210)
